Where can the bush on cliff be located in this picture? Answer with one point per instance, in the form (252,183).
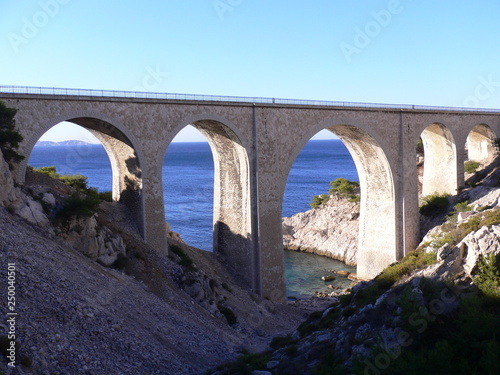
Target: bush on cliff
(471,166)
(9,137)
(434,204)
(77,181)
(342,187)
(78,205)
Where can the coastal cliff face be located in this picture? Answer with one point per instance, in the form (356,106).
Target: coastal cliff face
(330,230)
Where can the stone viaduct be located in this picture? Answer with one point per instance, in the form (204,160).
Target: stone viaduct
(254,142)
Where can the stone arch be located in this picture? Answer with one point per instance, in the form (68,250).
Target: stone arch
(232,232)
(480,145)
(121,146)
(440,165)
(378,245)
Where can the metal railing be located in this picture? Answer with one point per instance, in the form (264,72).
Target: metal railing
(27,90)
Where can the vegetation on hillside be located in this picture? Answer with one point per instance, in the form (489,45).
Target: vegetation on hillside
(342,187)
(77,181)
(471,166)
(434,204)
(84,202)
(9,137)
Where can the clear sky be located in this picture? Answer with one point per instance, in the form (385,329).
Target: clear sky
(438,52)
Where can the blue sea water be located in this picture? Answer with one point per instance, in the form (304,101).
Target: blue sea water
(188,190)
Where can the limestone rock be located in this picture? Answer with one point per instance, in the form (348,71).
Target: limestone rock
(483,196)
(480,243)
(330,230)
(98,243)
(462,260)
(31,211)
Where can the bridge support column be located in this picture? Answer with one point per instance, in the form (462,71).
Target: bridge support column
(407,189)
(232,210)
(272,273)
(154,227)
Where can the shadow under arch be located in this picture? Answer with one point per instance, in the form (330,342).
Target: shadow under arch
(378,245)
(480,144)
(232,215)
(121,148)
(440,160)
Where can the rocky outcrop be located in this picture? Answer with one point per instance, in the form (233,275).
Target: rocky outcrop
(330,230)
(19,203)
(459,263)
(97,242)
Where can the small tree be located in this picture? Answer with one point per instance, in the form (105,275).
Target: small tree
(9,137)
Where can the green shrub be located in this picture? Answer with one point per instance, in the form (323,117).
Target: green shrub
(463,207)
(343,187)
(78,206)
(9,137)
(318,200)
(488,276)
(185,261)
(471,166)
(412,261)
(48,171)
(106,196)
(435,203)
(76,181)
(340,186)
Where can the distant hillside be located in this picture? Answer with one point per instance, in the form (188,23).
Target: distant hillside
(62,143)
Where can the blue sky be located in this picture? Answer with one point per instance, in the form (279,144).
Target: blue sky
(407,51)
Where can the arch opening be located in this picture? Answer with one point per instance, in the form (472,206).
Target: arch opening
(315,245)
(122,160)
(188,179)
(440,161)
(231,220)
(377,245)
(480,145)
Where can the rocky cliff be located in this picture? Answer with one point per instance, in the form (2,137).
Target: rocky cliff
(92,298)
(330,230)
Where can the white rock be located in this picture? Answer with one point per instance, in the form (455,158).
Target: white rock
(49,198)
(482,242)
(330,230)
(462,216)
(32,212)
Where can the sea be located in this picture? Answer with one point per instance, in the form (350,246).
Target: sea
(188,172)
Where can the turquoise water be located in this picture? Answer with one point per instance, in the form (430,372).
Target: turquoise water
(188,190)
(303,273)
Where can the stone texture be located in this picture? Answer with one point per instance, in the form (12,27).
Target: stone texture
(96,242)
(31,211)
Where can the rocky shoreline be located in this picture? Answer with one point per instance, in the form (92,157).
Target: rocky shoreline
(329,230)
